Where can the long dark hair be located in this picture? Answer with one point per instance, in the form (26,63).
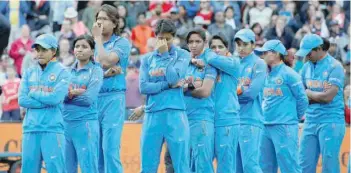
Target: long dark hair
(89,39)
(112,13)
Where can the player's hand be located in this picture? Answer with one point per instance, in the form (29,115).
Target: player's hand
(137,113)
(179,84)
(77,92)
(198,63)
(308,93)
(161,46)
(239,90)
(113,71)
(197,83)
(96,30)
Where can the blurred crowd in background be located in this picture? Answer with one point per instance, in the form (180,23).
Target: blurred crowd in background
(22,21)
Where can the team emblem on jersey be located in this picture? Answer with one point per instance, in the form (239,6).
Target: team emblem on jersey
(200,69)
(52,77)
(325,74)
(248,70)
(85,77)
(279,81)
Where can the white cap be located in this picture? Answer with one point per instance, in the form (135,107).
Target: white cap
(70,13)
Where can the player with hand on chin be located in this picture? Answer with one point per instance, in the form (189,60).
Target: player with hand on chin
(162,75)
(112,52)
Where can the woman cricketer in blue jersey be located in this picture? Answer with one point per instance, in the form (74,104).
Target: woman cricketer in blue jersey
(324,128)
(80,109)
(112,52)
(162,75)
(42,92)
(284,104)
(200,105)
(227,106)
(252,77)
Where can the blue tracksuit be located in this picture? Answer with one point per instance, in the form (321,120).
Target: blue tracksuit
(324,127)
(201,119)
(252,77)
(165,118)
(42,93)
(227,108)
(81,119)
(284,103)
(111,108)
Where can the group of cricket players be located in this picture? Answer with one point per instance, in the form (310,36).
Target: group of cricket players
(241,110)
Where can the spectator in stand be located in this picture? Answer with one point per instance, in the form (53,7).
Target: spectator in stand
(337,14)
(165,5)
(38,17)
(199,22)
(308,10)
(318,25)
(156,15)
(10,107)
(183,17)
(64,56)
(347,102)
(205,12)
(15,12)
(134,8)
(88,16)
(57,8)
(257,29)
(133,97)
(260,13)
(299,35)
(230,18)
(221,26)
(141,33)
(281,32)
(21,47)
(293,18)
(275,5)
(246,9)
(335,30)
(67,32)
(29,60)
(334,50)
(191,7)
(175,17)
(344,45)
(222,5)
(78,26)
(123,26)
(123,13)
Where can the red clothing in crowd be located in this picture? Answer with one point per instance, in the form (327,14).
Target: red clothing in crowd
(207,17)
(140,35)
(166,6)
(10,88)
(347,114)
(16,56)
